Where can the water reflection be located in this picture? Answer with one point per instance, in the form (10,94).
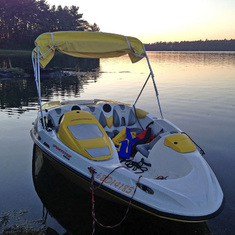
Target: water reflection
(70,205)
(197,95)
(204,58)
(19,95)
(22,59)
(176,73)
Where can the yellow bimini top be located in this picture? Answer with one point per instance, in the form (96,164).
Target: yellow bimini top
(87,45)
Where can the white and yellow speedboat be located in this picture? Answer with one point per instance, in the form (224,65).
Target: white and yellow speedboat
(116,143)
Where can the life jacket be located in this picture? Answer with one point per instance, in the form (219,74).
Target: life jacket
(123,142)
(143,138)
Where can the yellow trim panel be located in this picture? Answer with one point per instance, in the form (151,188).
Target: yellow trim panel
(180,143)
(81,132)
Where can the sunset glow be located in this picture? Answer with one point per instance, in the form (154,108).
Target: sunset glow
(153,21)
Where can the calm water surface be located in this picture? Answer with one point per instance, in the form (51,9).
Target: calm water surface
(197,93)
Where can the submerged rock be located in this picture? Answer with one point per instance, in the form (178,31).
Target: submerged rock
(54,73)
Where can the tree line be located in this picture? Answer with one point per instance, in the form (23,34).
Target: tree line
(207,45)
(21,21)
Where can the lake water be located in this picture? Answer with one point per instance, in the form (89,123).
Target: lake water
(197,93)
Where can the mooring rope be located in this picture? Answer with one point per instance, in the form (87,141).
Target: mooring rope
(136,165)
(201,150)
(92,171)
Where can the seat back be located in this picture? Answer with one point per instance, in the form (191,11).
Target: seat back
(99,115)
(123,116)
(54,117)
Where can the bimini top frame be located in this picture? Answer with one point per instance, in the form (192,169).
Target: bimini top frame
(86,45)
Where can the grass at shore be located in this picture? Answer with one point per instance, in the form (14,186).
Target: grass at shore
(14,222)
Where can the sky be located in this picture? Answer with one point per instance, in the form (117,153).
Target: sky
(166,20)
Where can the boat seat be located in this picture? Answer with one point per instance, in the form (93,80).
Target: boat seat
(75,107)
(144,149)
(124,116)
(54,117)
(99,115)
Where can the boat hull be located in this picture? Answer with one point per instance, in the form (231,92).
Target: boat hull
(85,182)
(176,182)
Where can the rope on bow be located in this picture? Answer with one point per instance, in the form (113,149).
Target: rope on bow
(92,171)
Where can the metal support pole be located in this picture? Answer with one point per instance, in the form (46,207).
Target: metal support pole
(154,84)
(142,89)
(38,84)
